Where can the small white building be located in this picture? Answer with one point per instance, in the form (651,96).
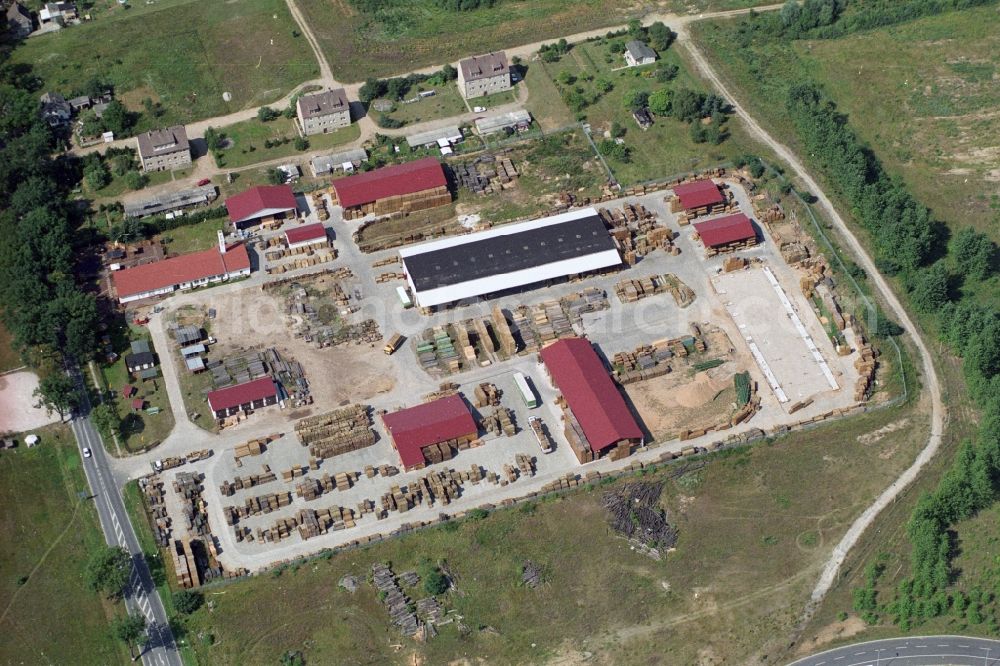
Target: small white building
(637,53)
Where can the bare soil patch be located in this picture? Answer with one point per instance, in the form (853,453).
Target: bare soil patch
(678,401)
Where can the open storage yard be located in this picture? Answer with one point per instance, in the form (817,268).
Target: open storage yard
(184,55)
(663,323)
(749,510)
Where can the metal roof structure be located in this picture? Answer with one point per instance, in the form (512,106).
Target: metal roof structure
(390,181)
(698,193)
(242,394)
(182,269)
(418,427)
(508,257)
(167,202)
(328,163)
(639,50)
(450,134)
(260,201)
(597,404)
(501,121)
(725,230)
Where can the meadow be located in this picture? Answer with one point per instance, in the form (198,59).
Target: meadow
(184,55)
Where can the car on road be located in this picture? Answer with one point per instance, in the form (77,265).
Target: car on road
(86,452)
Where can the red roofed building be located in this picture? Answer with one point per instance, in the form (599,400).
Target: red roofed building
(310,234)
(445,421)
(700,197)
(726,233)
(264,204)
(597,418)
(243,397)
(399,188)
(184,271)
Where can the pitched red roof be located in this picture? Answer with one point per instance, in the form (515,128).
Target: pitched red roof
(430,423)
(725,230)
(241,394)
(579,374)
(307,233)
(407,178)
(180,269)
(259,201)
(699,193)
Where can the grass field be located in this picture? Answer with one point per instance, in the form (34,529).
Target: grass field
(247,141)
(928,92)
(752,536)
(49,529)
(117,186)
(447,102)
(184,55)
(414,34)
(663,150)
(923,94)
(191,238)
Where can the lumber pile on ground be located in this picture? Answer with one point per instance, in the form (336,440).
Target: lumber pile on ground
(188,486)
(229,488)
(340,431)
(487,394)
(254,506)
(185,568)
(395,600)
(629,291)
(865,364)
(152,488)
(634,511)
(499,421)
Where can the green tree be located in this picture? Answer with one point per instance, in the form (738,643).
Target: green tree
(929,290)
(131,630)
(667,73)
(187,601)
(116,118)
(686,105)
(215,139)
(301,143)
(135,179)
(266,114)
(397,88)
(974,253)
(96,175)
(275,176)
(371,90)
(659,102)
(617,129)
(435,582)
(108,571)
(57,393)
(635,100)
(660,36)
(105,419)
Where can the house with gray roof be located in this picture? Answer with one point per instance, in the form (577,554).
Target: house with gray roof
(19,21)
(637,53)
(56,111)
(323,112)
(484,75)
(163,149)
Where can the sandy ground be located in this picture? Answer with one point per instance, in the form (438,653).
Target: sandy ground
(336,375)
(17,404)
(677,401)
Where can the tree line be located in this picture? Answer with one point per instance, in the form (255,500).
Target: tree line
(941,274)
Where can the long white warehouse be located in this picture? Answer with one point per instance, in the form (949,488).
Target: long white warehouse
(508,257)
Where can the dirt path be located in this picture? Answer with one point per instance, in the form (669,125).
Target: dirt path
(930,379)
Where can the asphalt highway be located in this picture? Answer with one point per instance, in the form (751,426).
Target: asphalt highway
(141,595)
(913,651)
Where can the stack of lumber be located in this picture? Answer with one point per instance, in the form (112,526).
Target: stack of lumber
(336,432)
(395,600)
(294,472)
(487,394)
(865,365)
(590,299)
(525,463)
(200,454)
(499,421)
(254,506)
(229,488)
(503,333)
(185,568)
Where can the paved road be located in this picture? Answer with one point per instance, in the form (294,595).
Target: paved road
(893,306)
(913,651)
(141,595)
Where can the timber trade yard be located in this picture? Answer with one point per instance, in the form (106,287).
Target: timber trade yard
(325,396)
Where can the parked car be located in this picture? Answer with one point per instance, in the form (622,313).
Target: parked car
(204,181)
(86,452)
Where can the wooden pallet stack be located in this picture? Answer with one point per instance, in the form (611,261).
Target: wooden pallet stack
(340,431)
(229,488)
(504,335)
(294,472)
(487,394)
(499,421)
(591,299)
(254,506)
(525,463)
(865,364)
(185,568)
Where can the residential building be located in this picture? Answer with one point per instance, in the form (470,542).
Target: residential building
(445,422)
(484,75)
(185,271)
(507,257)
(637,53)
(243,397)
(323,112)
(19,22)
(163,149)
(58,13)
(596,418)
(643,118)
(56,111)
(139,361)
(267,205)
(402,188)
